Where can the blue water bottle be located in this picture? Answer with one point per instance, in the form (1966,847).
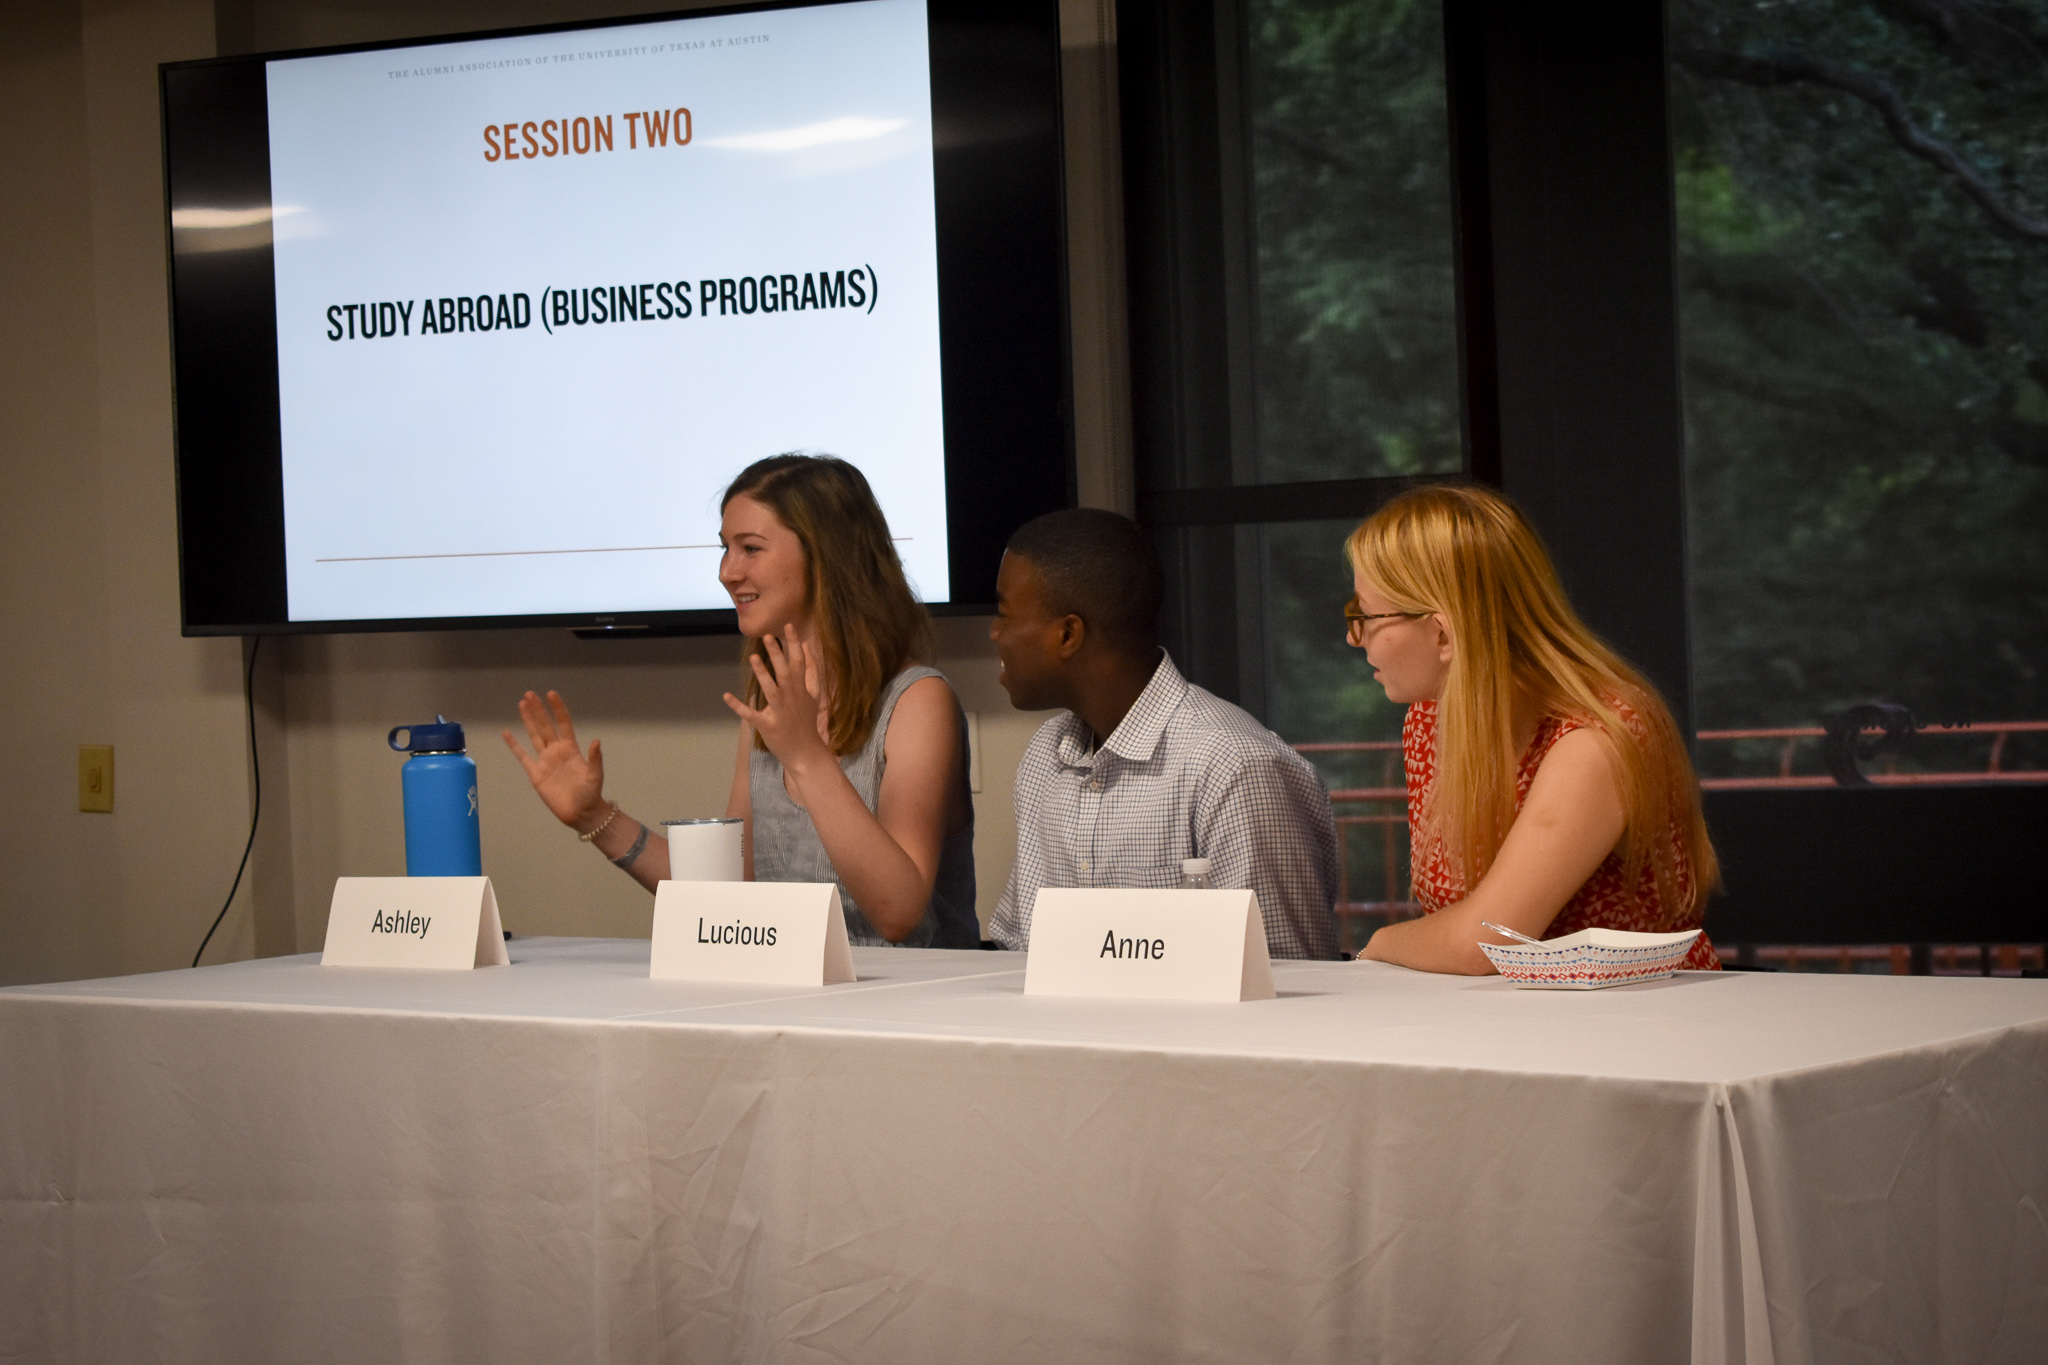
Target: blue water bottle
(441,832)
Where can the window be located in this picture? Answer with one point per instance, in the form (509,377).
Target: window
(1862,209)
(1356,365)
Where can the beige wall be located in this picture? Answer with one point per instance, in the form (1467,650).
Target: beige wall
(88,556)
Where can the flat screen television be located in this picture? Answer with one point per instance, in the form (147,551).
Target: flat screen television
(473,331)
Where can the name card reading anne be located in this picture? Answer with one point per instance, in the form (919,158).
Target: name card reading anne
(444,923)
(1156,945)
(764,933)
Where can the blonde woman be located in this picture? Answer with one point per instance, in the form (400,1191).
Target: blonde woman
(1548,788)
(852,762)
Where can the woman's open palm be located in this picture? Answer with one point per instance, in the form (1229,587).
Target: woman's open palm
(568,781)
(795,716)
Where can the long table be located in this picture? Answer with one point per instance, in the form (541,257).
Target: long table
(563,1161)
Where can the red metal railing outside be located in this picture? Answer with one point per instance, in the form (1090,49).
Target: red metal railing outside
(1994,769)
(1358,916)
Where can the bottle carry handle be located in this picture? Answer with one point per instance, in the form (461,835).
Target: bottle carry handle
(440,729)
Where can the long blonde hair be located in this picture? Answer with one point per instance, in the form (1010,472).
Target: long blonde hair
(1469,555)
(870,625)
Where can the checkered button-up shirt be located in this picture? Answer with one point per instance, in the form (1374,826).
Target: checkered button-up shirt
(1185,775)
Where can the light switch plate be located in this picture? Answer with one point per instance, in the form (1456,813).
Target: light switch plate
(96,778)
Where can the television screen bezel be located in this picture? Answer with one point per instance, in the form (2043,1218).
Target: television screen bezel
(999,181)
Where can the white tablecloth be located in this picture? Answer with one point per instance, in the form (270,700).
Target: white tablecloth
(563,1161)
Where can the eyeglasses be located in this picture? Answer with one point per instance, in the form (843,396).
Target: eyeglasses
(1355,617)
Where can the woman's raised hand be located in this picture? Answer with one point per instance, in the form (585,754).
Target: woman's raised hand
(793,720)
(571,784)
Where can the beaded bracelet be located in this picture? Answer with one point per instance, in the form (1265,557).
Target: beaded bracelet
(592,836)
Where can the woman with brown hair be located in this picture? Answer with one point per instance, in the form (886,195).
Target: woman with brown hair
(852,762)
(1549,789)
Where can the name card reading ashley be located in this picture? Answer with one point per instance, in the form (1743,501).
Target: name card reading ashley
(1155,945)
(764,933)
(449,923)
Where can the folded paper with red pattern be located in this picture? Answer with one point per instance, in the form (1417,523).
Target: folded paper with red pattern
(1591,959)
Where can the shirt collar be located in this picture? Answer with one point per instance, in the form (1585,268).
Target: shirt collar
(1137,735)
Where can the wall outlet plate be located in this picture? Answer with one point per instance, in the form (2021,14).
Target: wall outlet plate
(96,778)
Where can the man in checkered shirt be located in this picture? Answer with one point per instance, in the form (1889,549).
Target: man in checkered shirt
(1142,768)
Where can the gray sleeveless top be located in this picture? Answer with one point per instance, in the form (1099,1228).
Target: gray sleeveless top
(787,849)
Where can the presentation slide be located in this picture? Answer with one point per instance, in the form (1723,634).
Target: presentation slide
(540,298)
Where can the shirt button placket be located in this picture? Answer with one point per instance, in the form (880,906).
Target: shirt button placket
(1091,814)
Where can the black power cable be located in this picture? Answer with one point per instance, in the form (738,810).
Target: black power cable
(256,802)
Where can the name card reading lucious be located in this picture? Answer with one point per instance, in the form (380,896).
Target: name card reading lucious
(764,933)
(449,923)
(1157,945)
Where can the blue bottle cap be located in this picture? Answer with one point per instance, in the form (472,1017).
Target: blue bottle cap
(442,737)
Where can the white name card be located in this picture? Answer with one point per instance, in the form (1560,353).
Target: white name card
(447,923)
(1152,945)
(764,933)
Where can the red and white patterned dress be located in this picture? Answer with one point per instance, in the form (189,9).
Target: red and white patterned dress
(1605,901)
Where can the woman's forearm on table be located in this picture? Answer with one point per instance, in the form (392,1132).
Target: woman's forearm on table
(1434,943)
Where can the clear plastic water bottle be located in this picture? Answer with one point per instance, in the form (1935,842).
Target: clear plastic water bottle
(1194,874)
(442,837)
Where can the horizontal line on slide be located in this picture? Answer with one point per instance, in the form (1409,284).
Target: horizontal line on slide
(499,554)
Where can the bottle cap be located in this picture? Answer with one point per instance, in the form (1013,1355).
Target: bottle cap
(444,736)
(1195,866)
